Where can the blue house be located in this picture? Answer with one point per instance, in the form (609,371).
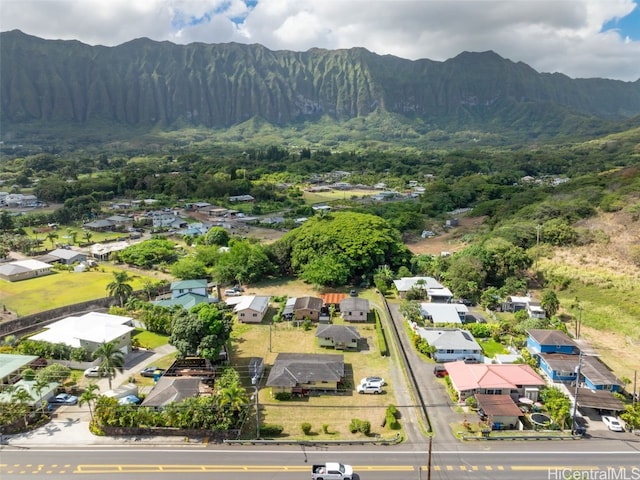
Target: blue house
(594,375)
(550,341)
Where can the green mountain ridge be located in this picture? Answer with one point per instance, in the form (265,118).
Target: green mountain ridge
(148,84)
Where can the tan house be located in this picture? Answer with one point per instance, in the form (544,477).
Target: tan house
(307,307)
(500,411)
(24,269)
(300,373)
(340,337)
(250,308)
(354,309)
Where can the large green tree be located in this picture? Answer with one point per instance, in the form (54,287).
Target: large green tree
(343,247)
(245,262)
(201,331)
(149,253)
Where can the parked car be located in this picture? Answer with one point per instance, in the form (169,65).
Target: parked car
(369,388)
(238,288)
(230,292)
(64,399)
(470,360)
(440,371)
(152,371)
(353,293)
(372,381)
(612,423)
(92,372)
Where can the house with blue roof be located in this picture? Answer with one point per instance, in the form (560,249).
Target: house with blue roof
(187,294)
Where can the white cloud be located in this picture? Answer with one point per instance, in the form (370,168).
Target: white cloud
(550,35)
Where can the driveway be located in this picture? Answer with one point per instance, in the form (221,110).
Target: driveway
(440,408)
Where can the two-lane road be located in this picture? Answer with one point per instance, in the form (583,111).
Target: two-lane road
(561,461)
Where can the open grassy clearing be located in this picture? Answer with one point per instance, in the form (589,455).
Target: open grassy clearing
(610,311)
(336,411)
(59,289)
(148,339)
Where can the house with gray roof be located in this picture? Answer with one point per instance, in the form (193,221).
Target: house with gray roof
(444,313)
(300,373)
(172,390)
(451,344)
(340,337)
(67,256)
(354,309)
(307,307)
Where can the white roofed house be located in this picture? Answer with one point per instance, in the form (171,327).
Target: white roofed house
(250,308)
(89,331)
(444,313)
(24,269)
(434,290)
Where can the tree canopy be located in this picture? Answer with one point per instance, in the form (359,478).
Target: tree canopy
(201,331)
(343,247)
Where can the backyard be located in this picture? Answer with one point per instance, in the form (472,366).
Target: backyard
(329,414)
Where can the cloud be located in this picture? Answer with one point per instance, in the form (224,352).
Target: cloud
(581,38)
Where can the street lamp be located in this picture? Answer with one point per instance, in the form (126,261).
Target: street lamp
(255,383)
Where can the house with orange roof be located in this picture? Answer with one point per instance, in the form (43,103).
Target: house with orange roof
(515,380)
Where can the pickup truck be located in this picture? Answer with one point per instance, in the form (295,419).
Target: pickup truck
(331,471)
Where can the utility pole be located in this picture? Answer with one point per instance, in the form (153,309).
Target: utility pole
(635,394)
(579,321)
(575,396)
(429,459)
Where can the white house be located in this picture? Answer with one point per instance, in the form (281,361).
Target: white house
(436,292)
(90,331)
(24,269)
(443,313)
(451,344)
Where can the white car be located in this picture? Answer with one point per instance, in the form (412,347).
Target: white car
(92,372)
(232,293)
(369,388)
(372,381)
(612,423)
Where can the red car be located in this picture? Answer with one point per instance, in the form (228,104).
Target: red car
(440,371)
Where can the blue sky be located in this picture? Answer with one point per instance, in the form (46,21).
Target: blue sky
(629,26)
(580,38)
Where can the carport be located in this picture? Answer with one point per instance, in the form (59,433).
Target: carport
(599,400)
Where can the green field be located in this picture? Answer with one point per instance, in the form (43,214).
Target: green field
(59,289)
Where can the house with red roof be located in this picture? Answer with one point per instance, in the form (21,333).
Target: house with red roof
(515,380)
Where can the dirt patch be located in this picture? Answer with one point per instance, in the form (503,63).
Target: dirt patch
(449,241)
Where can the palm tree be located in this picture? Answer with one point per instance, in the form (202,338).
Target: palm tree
(234,396)
(52,236)
(119,288)
(89,396)
(88,235)
(39,386)
(23,398)
(111,360)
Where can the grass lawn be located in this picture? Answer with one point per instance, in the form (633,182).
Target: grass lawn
(59,289)
(148,339)
(491,348)
(335,411)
